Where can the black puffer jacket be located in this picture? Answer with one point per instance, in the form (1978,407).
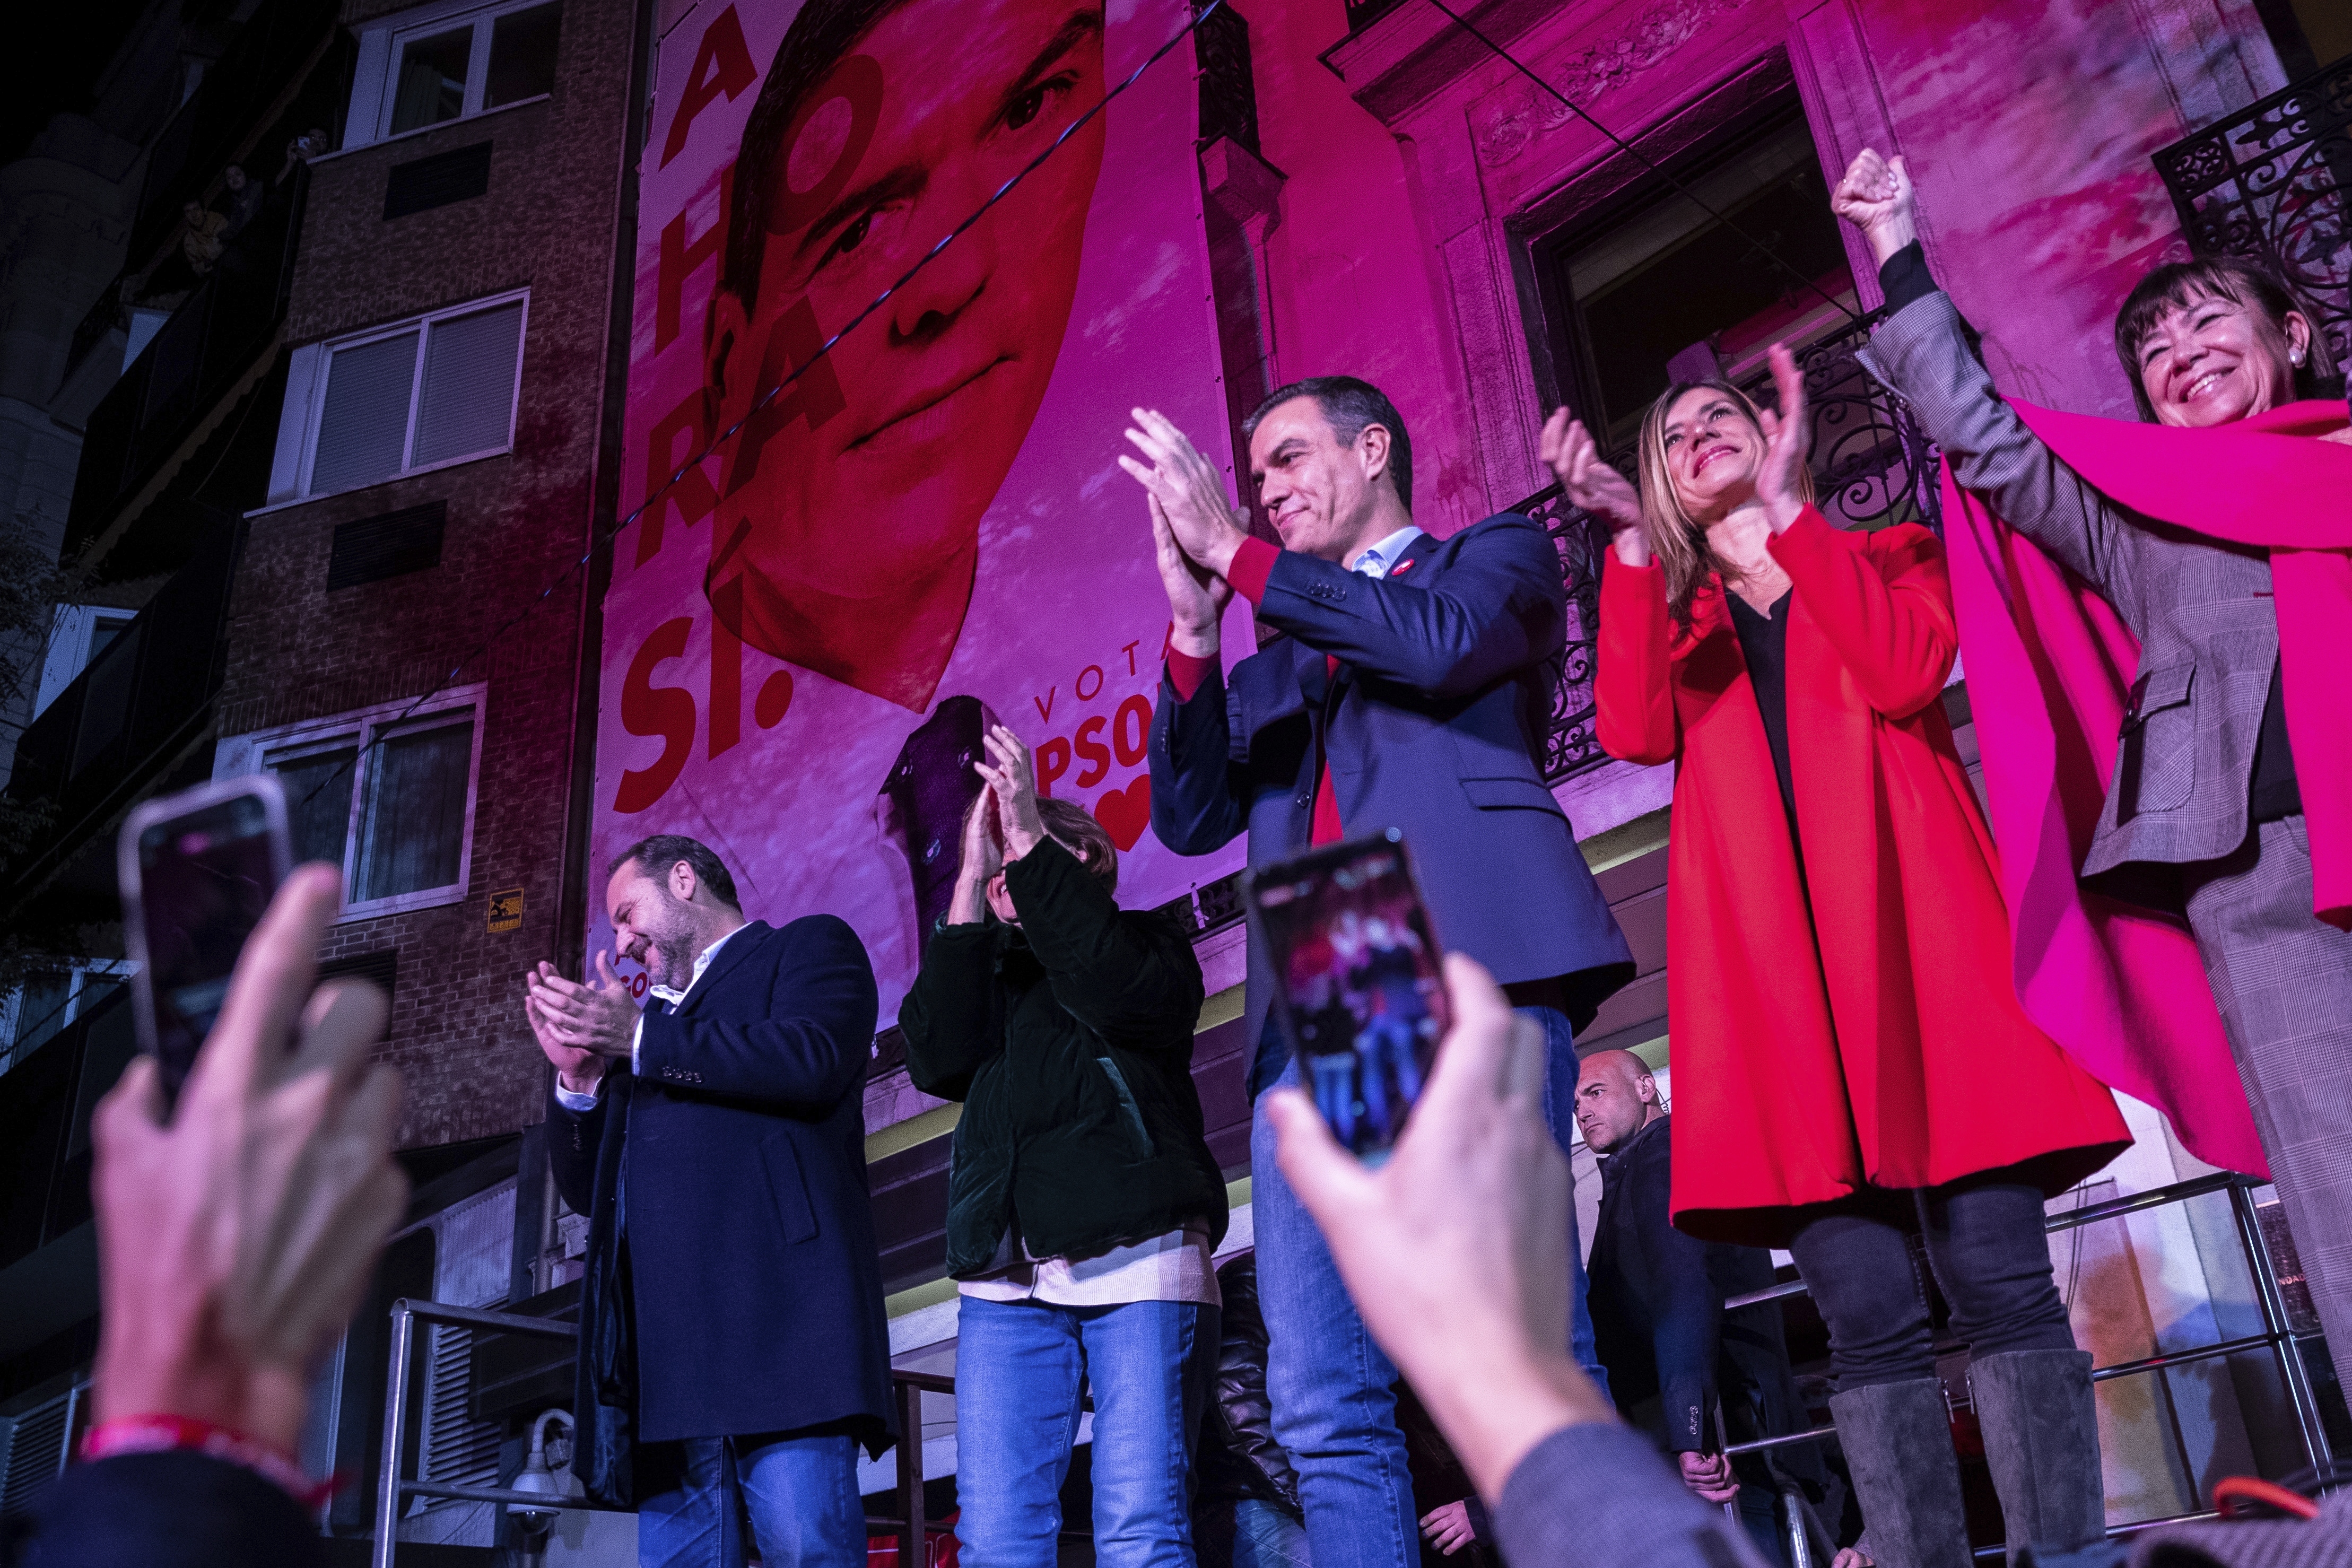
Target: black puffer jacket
(1069,1040)
(1238,1455)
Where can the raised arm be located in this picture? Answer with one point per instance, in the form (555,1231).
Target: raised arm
(1502,607)
(1885,603)
(1631,694)
(1923,355)
(810,1050)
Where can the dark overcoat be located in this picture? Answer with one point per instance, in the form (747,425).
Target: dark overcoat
(733,1285)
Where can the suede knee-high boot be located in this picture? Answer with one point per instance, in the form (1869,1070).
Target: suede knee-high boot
(2041,1443)
(1898,1438)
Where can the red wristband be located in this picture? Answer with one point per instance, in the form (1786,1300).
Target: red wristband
(163,1434)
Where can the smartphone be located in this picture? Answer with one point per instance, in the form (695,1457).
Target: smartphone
(198,871)
(1359,993)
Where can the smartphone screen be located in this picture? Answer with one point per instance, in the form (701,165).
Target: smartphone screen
(1361,994)
(205,877)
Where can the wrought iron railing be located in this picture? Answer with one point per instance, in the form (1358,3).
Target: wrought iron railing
(2275,182)
(1873,465)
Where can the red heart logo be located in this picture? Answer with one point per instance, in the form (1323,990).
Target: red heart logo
(1125,813)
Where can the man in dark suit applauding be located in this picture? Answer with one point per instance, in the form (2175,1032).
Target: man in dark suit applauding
(1413,691)
(731,1321)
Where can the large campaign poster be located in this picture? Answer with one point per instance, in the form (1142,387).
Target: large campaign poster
(926,530)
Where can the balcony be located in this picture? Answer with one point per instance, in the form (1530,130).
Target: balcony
(136,708)
(256,78)
(211,347)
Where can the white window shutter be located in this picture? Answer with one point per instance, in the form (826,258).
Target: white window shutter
(363,427)
(468,405)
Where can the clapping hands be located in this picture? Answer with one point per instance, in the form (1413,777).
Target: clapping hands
(1574,458)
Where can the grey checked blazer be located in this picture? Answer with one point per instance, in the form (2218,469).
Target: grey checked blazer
(2201,608)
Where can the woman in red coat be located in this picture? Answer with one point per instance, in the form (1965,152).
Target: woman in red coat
(1851,1061)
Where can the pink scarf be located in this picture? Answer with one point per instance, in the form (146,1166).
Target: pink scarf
(2048,664)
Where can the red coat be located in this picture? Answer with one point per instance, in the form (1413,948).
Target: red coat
(1894,1054)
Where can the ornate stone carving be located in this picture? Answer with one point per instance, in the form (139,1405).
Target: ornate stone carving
(1525,111)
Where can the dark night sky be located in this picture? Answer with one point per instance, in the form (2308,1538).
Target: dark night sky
(49,61)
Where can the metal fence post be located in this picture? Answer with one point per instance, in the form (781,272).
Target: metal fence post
(1800,1545)
(2275,1325)
(914,1545)
(395,1433)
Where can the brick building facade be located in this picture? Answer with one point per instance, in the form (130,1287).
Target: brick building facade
(543,225)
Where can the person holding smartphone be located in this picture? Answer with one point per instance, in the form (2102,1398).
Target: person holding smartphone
(1852,1060)
(1084,1204)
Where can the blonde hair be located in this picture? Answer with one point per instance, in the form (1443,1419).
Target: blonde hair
(1679,544)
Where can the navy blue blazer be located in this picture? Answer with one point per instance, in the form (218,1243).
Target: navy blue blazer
(752,1296)
(1434,724)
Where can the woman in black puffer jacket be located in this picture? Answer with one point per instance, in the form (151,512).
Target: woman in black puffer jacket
(1083,1203)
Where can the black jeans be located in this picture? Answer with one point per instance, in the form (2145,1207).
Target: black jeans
(1991,1258)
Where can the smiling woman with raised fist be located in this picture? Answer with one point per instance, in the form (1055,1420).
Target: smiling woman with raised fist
(1850,1055)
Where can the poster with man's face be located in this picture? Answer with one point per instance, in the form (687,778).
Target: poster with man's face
(924,530)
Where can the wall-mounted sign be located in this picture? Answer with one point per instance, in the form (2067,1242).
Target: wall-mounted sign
(506,910)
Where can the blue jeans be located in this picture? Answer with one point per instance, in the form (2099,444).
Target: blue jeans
(802,1493)
(1329,1380)
(1250,1532)
(1019,1369)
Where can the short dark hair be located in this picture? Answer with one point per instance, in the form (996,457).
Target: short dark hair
(656,855)
(819,37)
(1075,825)
(2244,282)
(1349,405)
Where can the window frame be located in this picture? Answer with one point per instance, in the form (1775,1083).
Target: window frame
(310,367)
(374,77)
(238,756)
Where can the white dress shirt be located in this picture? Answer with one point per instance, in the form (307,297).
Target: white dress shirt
(572,1100)
(1376,561)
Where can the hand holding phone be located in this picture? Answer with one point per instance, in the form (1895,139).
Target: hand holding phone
(1359,993)
(198,871)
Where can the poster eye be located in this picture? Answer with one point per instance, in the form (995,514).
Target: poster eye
(1026,107)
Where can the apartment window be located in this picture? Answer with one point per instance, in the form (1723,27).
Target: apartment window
(418,395)
(385,793)
(77,635)
(442,64)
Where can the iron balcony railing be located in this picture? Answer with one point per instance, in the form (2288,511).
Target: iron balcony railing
(139,704)
(207,351)
(395,1490)
(2280,1336)
(1871,463)
(2273,182)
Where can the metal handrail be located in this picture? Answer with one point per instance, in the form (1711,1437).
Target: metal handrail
(2279,1336)
(393,1488)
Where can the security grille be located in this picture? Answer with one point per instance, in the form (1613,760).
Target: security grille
(33,1450)
(472,1268)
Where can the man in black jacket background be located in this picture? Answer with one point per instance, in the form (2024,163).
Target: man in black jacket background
(1674,1356)
(732,1339)
(1083,1203)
